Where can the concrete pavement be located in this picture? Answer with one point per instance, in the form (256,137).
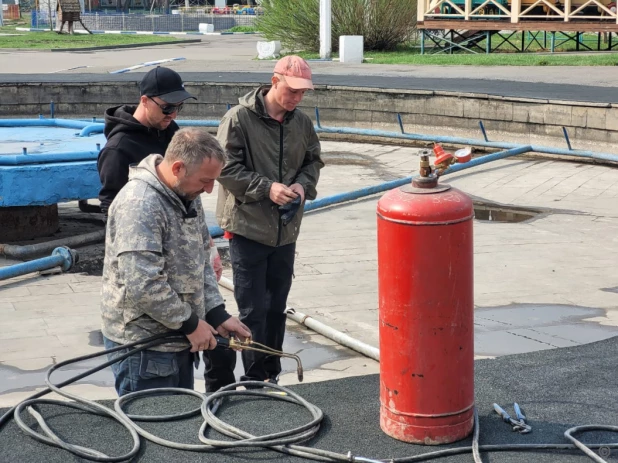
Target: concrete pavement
(539,284)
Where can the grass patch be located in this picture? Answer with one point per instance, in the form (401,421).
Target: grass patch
(412,55)
(243,29)
(11,24)
(50,40)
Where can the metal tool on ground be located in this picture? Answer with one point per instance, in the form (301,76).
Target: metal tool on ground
(519,425)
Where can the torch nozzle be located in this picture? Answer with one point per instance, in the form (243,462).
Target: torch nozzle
(236,344)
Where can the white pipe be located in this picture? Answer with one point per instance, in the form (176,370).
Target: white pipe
(321,328)
(325,29)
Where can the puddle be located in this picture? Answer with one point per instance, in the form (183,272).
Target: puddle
(312,354)
(505,214)
(520,328)
(297,341)
(610,290)
(13,379)
(533,315)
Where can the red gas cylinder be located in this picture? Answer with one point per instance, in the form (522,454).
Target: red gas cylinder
(425,268)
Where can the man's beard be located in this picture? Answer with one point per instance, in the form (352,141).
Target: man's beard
(177,188)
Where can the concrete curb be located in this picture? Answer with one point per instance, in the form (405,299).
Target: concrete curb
(348,106)
(25,29)
(104,47)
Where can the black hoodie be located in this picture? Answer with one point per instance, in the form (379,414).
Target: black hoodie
(128,142)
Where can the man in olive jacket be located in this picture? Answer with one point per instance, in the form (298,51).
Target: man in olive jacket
(273,166)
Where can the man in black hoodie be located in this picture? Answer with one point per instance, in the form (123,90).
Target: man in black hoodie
(133,133)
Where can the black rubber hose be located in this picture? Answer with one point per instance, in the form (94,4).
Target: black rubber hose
(284,442)
(83,404)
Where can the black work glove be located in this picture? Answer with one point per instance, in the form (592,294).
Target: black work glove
(289,210)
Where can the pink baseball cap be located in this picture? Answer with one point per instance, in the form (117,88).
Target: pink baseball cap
(296,71)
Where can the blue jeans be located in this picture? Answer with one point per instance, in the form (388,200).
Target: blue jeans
(151,369)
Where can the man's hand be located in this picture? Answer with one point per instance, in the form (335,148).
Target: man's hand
(281,194)
(203,337)
(234,325)
(215,260)
(299,190)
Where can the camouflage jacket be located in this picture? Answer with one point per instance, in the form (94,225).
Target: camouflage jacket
(156,275)
(260,151)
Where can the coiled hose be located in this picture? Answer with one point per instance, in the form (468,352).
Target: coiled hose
(284,442)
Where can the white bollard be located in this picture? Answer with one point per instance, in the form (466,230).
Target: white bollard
(208,28)
(268,50)
(351,49)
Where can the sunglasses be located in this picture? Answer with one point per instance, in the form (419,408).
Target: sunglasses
(168,109)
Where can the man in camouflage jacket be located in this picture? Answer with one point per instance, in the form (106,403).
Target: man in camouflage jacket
(156,275)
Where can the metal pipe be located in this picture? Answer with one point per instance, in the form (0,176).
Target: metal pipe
(355,194)
(47,158)
(92,128)
(488,158)
(317,118)
(339,130)
(198,123)
(400,121)
(98,127)
(482,126)
(30,250)
(321,328)
(62,257)
(371,190)
(420,137)
(367,191)
(60,123)
(466,141)
(566,137)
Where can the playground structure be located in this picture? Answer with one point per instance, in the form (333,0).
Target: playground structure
(69,11)
(470,25)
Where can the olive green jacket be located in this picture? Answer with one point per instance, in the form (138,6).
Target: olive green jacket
(261,151)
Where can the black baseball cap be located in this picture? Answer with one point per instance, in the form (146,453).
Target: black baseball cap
(166,84)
